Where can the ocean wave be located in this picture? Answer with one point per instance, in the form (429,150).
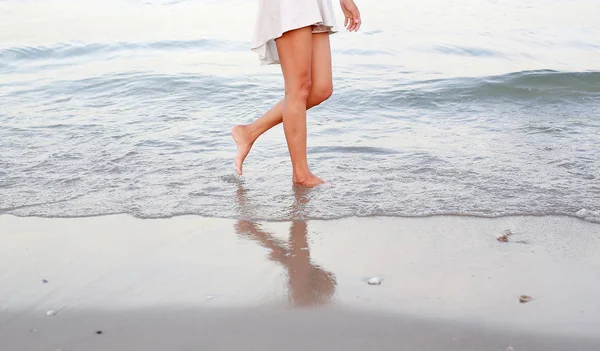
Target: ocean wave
(531,87)
(466,51)
(529,90)
(62,51)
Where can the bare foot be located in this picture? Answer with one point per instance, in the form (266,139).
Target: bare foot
(244,144)
(310,181)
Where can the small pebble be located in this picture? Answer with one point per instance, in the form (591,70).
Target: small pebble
(504,237)
(374,281)
(45,281)
(99,332)
(51,313)
(525,298)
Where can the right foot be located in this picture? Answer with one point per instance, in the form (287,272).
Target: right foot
(244,144)
(310,181)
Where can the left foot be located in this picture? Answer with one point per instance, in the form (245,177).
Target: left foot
(244,144)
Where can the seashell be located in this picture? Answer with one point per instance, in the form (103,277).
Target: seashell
(504,237)
(525,298)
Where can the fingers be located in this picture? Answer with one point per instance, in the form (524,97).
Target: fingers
(352,20)
(349,24)
(357,23)
(352,24)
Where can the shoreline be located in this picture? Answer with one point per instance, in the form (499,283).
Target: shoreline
(267,220)
(445,274)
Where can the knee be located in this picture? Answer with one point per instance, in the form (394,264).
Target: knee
(320,93)
(300,90)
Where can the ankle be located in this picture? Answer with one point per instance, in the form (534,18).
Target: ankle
(246,133)
(252,131)
(301,176)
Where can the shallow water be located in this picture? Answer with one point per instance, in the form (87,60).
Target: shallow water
(468,107)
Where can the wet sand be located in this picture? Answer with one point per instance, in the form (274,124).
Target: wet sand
(189,283)
(266,329)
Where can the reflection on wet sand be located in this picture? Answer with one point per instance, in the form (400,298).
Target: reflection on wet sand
(308,284)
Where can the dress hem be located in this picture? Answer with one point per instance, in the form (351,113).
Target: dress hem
(261,49)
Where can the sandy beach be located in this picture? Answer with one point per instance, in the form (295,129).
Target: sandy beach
(460,148)
(189,283)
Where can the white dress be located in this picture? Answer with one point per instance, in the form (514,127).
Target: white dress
(276,17)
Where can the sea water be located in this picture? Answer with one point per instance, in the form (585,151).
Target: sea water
(467,107)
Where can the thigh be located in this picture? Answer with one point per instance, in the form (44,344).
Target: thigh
(321,75)
(295,55)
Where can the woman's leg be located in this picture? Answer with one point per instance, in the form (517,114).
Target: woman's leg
(295,55)
(321,89)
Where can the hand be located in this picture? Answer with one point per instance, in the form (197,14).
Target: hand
(352,19)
